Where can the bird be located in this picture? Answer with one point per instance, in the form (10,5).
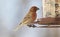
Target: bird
(29,18)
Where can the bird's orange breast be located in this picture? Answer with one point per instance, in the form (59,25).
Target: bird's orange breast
(34,16)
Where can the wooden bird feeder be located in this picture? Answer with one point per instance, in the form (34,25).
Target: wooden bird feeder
(51,14)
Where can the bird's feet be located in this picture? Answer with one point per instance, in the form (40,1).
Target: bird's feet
(32,26)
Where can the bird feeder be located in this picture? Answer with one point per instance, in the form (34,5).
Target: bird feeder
(51,14)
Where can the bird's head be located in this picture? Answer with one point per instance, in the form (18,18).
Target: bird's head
(34,8)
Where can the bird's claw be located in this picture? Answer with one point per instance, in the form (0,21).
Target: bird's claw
(32,26)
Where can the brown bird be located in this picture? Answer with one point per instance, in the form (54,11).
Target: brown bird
(29,18)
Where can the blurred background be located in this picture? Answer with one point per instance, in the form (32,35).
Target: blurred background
(11,14)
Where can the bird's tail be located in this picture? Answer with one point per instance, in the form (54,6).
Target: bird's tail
(18,27)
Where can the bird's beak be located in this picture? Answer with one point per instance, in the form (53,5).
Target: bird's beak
(37,8)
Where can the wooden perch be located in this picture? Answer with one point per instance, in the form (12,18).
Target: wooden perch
(48,22)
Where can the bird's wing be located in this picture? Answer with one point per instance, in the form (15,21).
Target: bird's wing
(27,18)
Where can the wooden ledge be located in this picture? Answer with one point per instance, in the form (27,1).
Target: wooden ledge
(48,21)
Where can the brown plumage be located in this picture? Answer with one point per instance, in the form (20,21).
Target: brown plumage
(29,18)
